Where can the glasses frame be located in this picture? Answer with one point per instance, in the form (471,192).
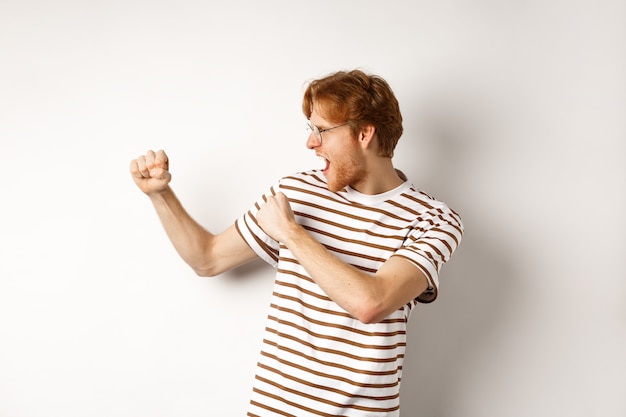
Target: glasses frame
(318,132)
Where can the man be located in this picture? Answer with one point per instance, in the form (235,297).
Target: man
(356,246)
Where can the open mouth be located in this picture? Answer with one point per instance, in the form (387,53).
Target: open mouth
(326,164)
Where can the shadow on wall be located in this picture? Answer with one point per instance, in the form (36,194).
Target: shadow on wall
(478,284)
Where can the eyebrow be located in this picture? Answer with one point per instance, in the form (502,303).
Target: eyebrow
(318,126)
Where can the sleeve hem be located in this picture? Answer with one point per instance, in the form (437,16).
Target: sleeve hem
(432,276)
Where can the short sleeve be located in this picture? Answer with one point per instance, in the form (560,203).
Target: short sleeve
(260,242)
(434,238)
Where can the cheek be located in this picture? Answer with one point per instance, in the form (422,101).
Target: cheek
(346,168)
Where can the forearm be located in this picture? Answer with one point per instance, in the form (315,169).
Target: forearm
(368,298)
(190,239)
(355,291)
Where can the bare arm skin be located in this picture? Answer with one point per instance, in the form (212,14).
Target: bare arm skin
(206,253)
(369,298)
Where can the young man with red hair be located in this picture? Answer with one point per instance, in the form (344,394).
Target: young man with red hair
(356,246)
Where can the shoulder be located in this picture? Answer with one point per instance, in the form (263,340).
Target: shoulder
(311,178)
(310,183)
(427,206)
(310,189)
(413,196)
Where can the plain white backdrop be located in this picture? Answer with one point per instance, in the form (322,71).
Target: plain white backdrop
(515,115)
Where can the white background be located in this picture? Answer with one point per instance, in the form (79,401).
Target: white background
(514,115)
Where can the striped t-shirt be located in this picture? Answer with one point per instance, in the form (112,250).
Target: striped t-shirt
(316,359)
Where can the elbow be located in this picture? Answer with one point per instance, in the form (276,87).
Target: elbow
(371,313)
(370,318)
(367,320)
(205,271)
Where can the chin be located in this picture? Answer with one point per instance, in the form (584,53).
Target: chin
(339,179)
(333,185)
(335,189)
(336,186)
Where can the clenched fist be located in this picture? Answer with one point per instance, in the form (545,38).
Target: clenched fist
(276,217)
(151,172)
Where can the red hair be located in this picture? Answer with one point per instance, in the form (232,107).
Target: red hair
(358,99)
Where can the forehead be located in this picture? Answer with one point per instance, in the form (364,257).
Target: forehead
(317,117)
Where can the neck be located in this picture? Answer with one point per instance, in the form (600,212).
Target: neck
(380,177)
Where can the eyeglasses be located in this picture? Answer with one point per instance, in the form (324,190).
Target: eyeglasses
(318,132)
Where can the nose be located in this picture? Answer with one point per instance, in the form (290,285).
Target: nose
(312,141)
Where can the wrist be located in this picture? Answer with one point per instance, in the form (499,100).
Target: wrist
(294,233)
(161,196)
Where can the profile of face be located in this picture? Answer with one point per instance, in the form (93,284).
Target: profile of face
(344,163)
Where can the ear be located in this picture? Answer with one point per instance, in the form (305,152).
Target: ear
(366,136)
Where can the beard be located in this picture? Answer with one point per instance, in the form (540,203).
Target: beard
(344,171)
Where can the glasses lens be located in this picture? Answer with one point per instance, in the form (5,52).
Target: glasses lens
(317,132)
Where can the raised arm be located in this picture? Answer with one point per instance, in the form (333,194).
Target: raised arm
(206,253)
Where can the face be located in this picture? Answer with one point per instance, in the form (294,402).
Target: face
(341,153)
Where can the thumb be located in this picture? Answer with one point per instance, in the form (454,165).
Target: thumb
(160,174)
